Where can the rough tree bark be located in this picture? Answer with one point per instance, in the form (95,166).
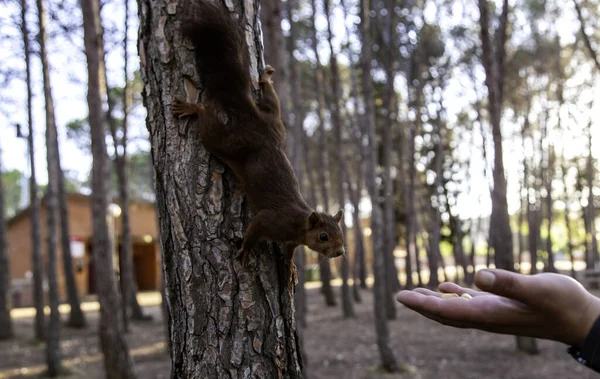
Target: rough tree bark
(53,353)
(117,362)
(347,307)
(493,63)
(323,157)
(388,359)
(76,317)
(34,200)
(6,327)
(226,320)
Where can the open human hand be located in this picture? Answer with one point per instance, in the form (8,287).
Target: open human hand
(548,306)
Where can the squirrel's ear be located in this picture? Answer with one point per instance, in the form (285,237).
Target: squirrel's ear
(313,220)
(338,216)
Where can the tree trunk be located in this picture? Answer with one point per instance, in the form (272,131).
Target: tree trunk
(548,177)
(296,154)
(76,318)
(358,231)
(117,362)
(390,123)
(323,158)
(127,279)
(360,273)
(591,216)
(563,167)
(493,62)
(36,251)
(6,328)
(227,320)
(436,225)
(347,307)
(388,359)
(53,354)
(359,269)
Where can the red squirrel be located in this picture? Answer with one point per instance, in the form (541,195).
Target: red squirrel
(251,141)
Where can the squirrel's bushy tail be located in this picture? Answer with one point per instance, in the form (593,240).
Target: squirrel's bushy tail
(221,55)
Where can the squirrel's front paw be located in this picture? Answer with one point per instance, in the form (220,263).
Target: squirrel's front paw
(242,254)
(266,76)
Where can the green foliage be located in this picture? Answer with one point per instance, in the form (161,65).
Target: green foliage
(11,181)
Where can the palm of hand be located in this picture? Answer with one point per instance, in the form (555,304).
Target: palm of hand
(548,306)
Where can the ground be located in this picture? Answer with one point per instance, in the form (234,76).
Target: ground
(335,348)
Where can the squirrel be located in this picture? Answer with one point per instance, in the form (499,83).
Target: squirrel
(252,140)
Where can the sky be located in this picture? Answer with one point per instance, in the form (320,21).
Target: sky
(68,76)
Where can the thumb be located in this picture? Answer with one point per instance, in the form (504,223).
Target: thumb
(505,283)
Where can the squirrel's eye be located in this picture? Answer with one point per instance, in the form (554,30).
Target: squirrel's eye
(323,237)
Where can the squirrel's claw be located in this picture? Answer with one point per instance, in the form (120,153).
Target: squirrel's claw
(243,256)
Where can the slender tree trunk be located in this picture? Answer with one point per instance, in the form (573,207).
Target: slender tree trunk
(36,251)
(436,225)
(117,362)
(391,106)
(567,209)
(347,307)
(410,248)
(6,327)
(296,154)
(323,158)
(563,168)
(359,245)
(53,353)
(360,241)
(493,62)
(76,318)
(226,320)
(359,271)
(388,359)
(127,279)
(591,216)
(548,177)
(413,228)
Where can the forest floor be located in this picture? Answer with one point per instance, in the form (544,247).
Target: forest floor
(335,348)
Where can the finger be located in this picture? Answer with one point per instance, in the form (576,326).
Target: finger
(449,287)
(512,285)
(427,292)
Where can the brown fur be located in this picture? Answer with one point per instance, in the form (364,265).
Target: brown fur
(252,142)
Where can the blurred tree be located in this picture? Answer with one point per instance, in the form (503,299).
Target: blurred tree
(117,361)
(586,38)
(34,201)
(6,327)
(127,277)
(295,123)
(388,359)
(387,38)
(493,58)
(347,307)
(243,317)
(53,351)
(322,152)
(56,199)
